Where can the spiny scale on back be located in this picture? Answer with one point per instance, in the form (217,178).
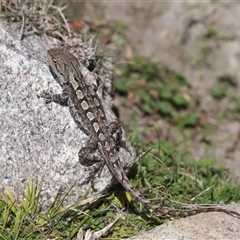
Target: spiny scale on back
(87,111)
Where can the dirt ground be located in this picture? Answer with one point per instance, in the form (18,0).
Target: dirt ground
(201,39)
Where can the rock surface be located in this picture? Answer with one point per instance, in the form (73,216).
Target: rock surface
(39,142)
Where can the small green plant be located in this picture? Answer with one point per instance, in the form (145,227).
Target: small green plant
(120,26)
(222,86)
(219,90)
(212,32)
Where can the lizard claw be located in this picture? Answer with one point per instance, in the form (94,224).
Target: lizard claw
(47,96)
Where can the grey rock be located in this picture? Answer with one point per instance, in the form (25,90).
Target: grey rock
(39,142)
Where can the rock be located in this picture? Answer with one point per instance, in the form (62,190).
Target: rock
(39,142)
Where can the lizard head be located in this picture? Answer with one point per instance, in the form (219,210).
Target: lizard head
(60,64)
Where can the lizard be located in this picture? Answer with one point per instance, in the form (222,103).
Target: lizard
(83,99)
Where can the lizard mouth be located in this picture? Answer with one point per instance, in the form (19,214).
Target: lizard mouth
(55,76)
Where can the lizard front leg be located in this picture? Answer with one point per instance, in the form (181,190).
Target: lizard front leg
(61,99)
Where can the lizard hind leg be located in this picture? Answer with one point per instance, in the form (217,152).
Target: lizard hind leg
(91,159)
(94,163)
